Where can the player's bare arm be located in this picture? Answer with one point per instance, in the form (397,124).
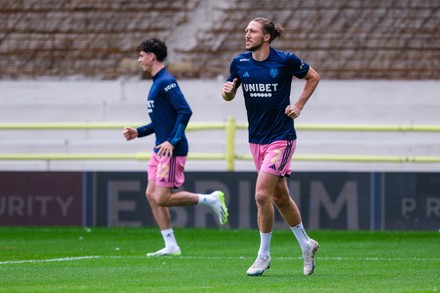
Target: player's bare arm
(312,80)
(229,90)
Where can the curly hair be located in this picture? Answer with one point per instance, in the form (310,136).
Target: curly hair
(155,46)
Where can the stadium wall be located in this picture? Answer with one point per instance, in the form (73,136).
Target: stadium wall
(342,39)
(328,200)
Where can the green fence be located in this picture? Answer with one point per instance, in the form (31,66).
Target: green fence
(230,127)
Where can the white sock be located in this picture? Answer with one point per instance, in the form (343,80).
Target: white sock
(168,238)
(301,236)
(206,199)
(264,250)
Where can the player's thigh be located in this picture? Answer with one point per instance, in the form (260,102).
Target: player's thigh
(162,194)
(151,187)
(266,183)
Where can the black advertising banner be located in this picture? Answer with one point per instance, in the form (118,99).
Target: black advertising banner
(326,200)
(41,198)
(120,199)
(412,201)
(333,200)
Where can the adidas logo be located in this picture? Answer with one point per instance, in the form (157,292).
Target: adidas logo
(273,167)
(246,74)
(162,180)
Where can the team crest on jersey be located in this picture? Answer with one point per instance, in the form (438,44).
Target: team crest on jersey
(274,72)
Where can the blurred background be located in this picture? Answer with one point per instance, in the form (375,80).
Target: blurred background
(75,61)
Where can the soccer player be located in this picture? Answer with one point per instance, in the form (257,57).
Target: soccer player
(169,113)
(266,75)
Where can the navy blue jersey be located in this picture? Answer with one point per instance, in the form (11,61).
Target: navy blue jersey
(169,113)
(266,89)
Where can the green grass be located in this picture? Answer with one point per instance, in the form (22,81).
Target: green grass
(36,259)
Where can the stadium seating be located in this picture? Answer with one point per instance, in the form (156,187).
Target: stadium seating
(343,39)
(94,39)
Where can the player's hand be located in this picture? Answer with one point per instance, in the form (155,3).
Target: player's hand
(130,133)
(229,86)
(165,149)
(292,111)
(228,90)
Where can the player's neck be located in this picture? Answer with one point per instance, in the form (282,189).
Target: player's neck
(157,66)
(261,54)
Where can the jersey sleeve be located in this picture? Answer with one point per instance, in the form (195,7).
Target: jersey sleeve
(184,113)
(145,130)
(233,73)
(297,66)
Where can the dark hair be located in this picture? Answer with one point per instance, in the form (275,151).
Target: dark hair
(155,46)
(274,30)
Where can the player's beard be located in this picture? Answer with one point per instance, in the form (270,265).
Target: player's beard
(255,46)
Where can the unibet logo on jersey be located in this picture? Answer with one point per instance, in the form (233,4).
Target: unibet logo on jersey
(260,89)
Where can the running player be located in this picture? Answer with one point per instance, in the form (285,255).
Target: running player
(169,113)
(266,75)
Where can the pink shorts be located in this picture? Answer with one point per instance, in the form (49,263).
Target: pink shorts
(274,158)
(166,171)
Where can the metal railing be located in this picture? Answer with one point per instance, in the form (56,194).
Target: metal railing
(230,127)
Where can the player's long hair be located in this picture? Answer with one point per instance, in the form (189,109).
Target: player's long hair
(275,30)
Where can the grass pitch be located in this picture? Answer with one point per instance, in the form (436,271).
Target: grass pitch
(35,259)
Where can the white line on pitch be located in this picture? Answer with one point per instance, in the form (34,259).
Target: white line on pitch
(214,257)
(48,260)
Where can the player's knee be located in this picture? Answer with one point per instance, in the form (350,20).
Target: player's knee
(156,199)
(160,201)
(163,199)
(262,198)
(150,195)
(280,202)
